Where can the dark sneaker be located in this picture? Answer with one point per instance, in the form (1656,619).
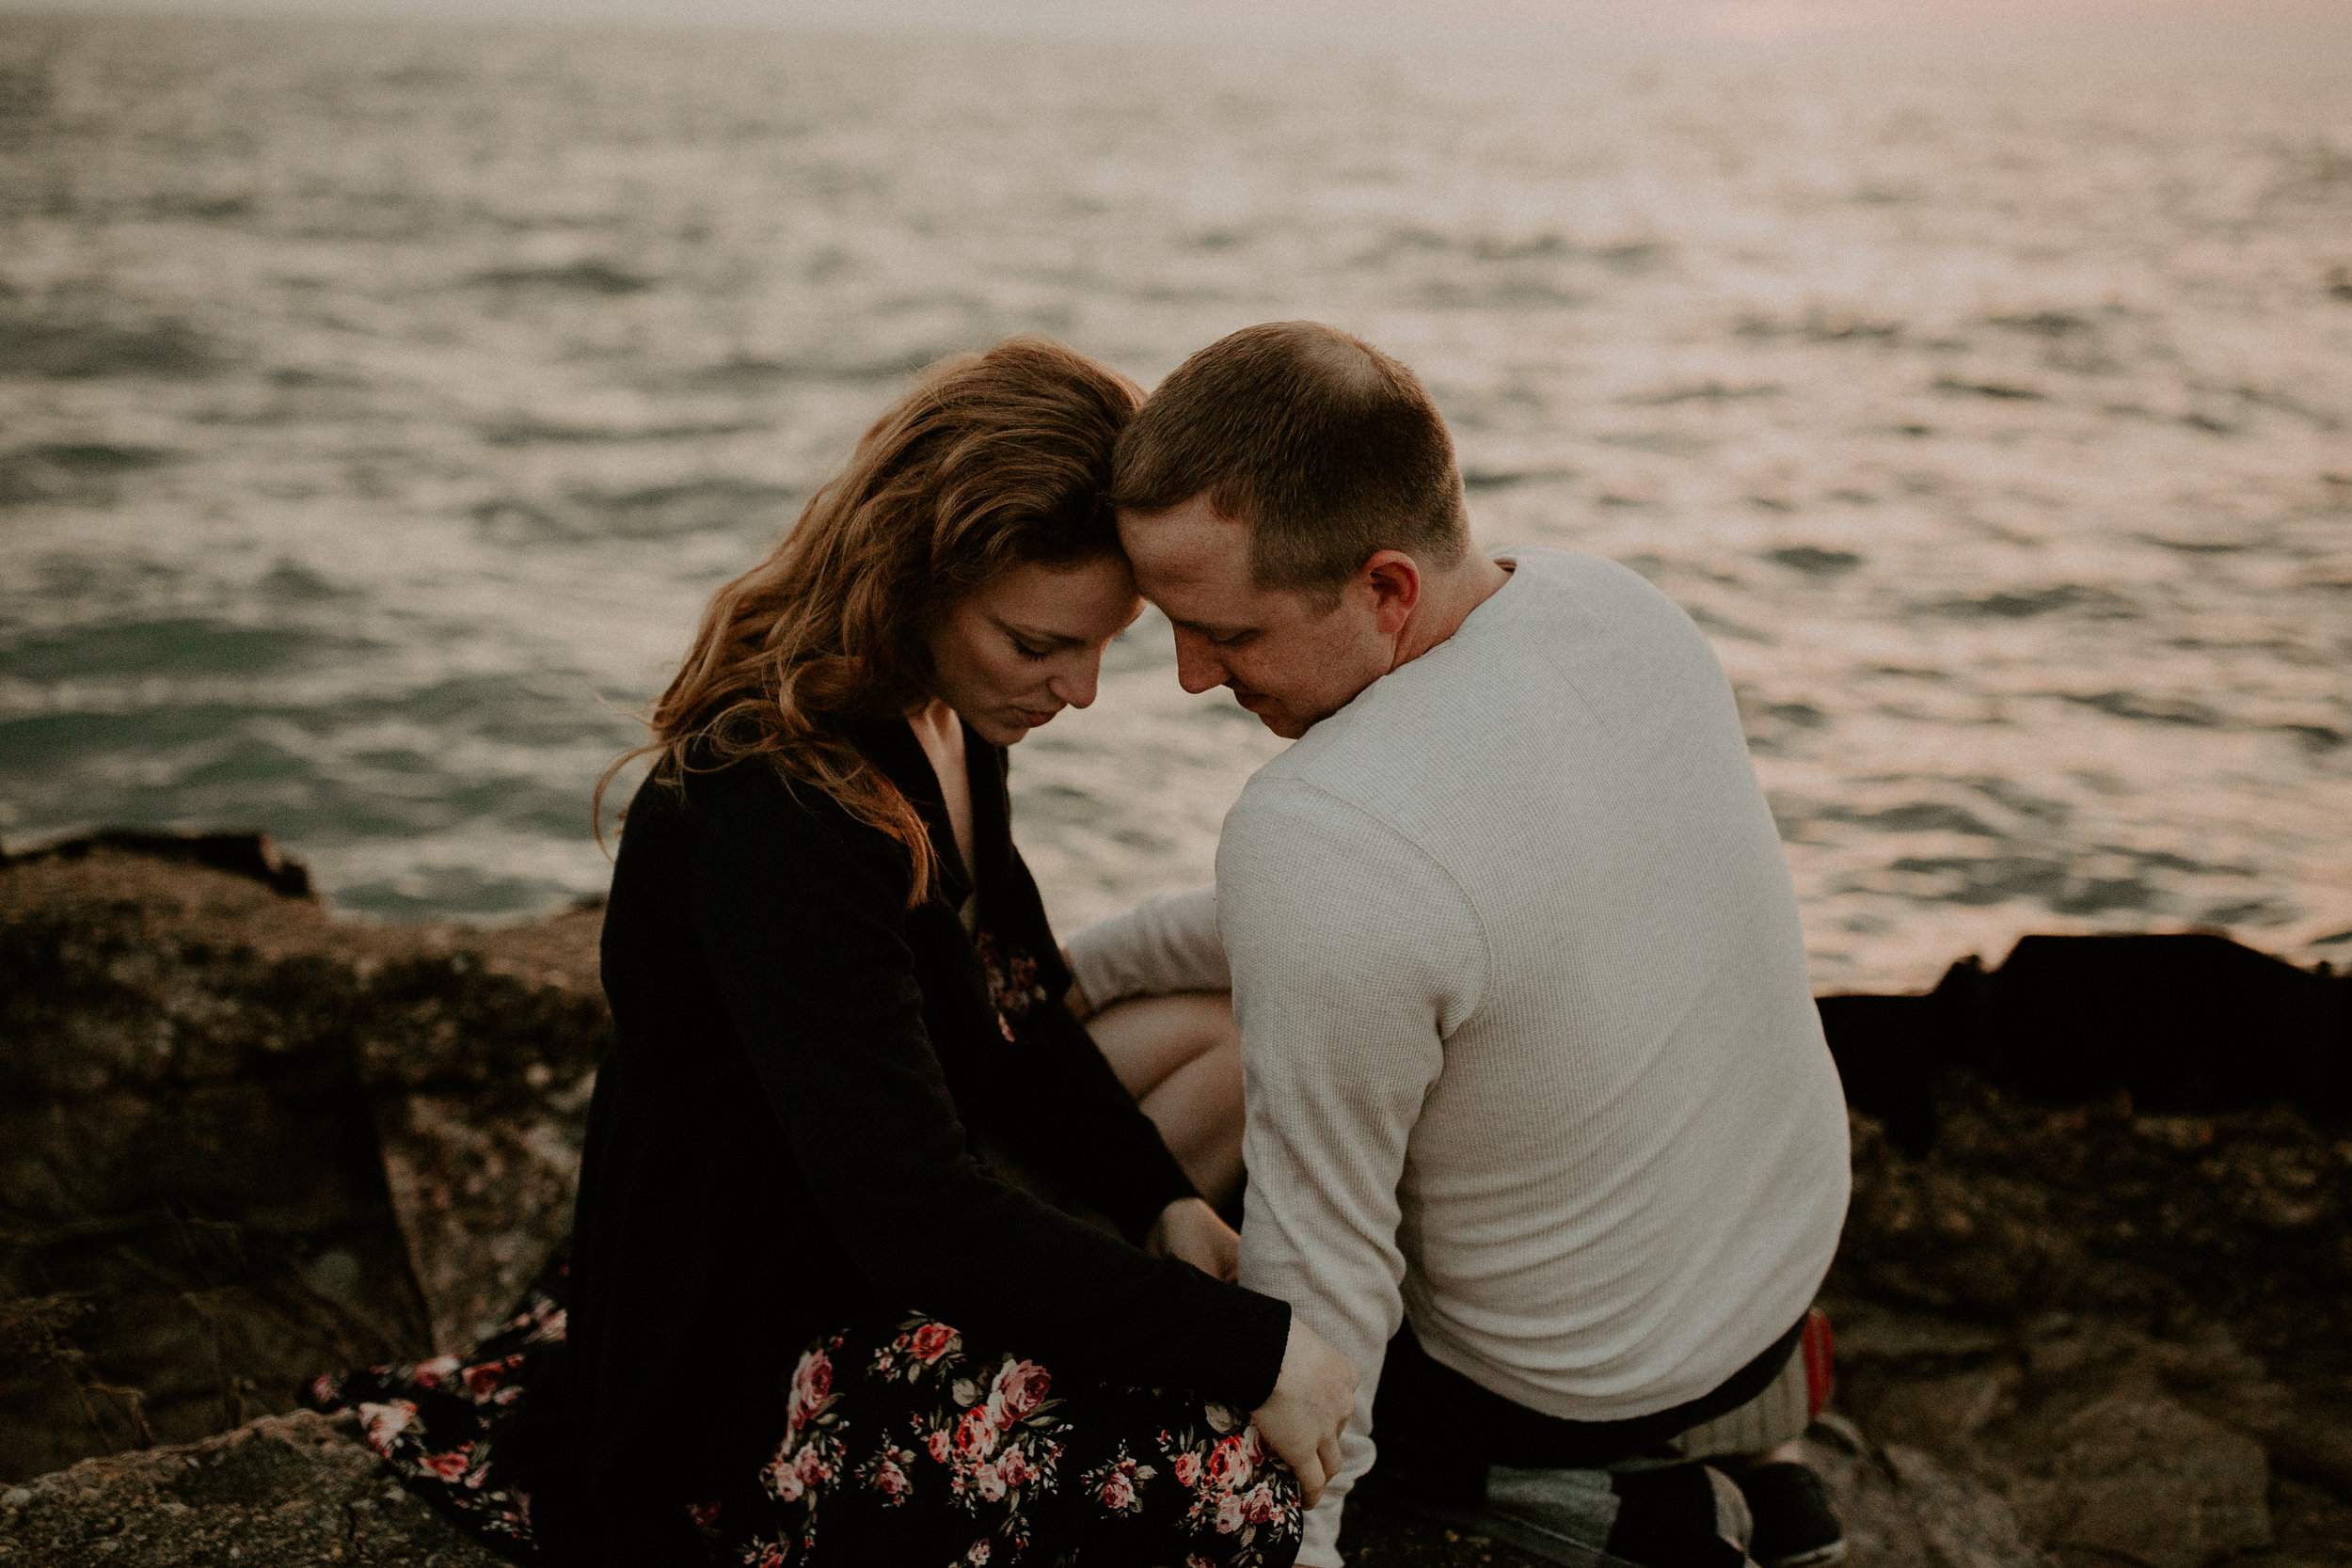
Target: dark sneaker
(1679,1516)
(1795,1525)
(1660,1516)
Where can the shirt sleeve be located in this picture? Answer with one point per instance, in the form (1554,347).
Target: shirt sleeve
(1353,956)
(1162,947)
(804,931)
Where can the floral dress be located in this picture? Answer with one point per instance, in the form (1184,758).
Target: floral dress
(902,1441)
(903,1444)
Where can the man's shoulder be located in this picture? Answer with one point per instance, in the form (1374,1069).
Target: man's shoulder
(1297,824)
(1498,676)
(1299,864)
(1542,683)
(1577,584)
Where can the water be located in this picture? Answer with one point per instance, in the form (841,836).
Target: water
(378,405)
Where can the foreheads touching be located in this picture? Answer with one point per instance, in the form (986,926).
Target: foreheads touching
(1329,448)
(1283,497)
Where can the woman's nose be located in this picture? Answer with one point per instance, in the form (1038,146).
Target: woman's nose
(1077,683)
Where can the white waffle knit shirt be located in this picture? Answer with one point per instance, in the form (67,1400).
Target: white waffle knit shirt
(1531,1060)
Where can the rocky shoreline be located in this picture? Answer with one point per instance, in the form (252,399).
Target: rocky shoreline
(242,1143)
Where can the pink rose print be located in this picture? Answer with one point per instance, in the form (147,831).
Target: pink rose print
(987,1420)
(783,1478)
(811,1467)
(449,1466)
(812,1385)
(1118,1483)
(384,1422)
(1012,986)
(1229,1463)
(482,1381)
(1019,1389)
(1015,1468)
(975,1434)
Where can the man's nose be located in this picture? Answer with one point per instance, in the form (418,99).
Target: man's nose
(1077,681)
(1198,668)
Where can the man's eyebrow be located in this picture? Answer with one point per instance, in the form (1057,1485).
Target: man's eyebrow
(1216,632)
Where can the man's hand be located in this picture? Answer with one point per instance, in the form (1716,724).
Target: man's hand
(1189,1228)
(1313,1398)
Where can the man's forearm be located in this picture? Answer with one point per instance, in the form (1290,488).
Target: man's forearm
(1162,947)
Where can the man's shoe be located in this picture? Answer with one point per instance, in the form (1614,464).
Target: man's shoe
(1795,1524)
(1679,1515)
(1686,1516)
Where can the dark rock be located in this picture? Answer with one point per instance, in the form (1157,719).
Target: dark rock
(195,1211)
(240,1144)
(167,1328)
(2021,1211)
(253,855)
(483,1199)
(2190,1023)
(1935,1412)
(1904,1509)
(1962,1523)
(286,1491)
(2138,1476)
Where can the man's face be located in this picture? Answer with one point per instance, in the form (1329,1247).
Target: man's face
(1288,659)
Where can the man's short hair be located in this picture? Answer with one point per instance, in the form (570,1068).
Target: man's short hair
(1330,450)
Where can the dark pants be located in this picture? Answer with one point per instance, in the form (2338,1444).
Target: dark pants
(1438,1430)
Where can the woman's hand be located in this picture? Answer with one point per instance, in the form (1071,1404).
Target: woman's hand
(1313,1396)
(1189,1228)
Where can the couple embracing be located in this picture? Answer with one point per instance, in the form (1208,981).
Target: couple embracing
(903,1231)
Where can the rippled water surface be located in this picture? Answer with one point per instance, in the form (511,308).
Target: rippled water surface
(377,407)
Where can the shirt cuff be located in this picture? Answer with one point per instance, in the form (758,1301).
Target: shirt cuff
(1163,946)
(1246,1334)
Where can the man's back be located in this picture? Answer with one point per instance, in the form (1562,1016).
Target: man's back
(1530,1052)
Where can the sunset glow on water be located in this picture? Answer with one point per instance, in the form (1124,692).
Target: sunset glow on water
(379,405)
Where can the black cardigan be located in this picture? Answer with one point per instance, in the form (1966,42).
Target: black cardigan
(780,1139)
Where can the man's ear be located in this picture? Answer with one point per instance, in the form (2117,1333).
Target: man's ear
(1392,579)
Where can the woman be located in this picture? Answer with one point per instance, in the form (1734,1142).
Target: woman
(803,1322)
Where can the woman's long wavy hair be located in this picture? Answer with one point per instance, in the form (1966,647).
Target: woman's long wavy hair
(991,460)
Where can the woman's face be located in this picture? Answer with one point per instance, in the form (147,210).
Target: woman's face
(1029,642)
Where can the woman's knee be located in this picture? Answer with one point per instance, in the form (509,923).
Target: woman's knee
(1148,1039)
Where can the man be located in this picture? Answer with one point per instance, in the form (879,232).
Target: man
(1539,1113)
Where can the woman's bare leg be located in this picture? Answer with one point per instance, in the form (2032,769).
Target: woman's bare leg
(1181,1058)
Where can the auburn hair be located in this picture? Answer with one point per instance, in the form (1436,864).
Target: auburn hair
(990,460)
(1330,450)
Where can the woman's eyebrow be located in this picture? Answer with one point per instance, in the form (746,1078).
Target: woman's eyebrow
(1031,634)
